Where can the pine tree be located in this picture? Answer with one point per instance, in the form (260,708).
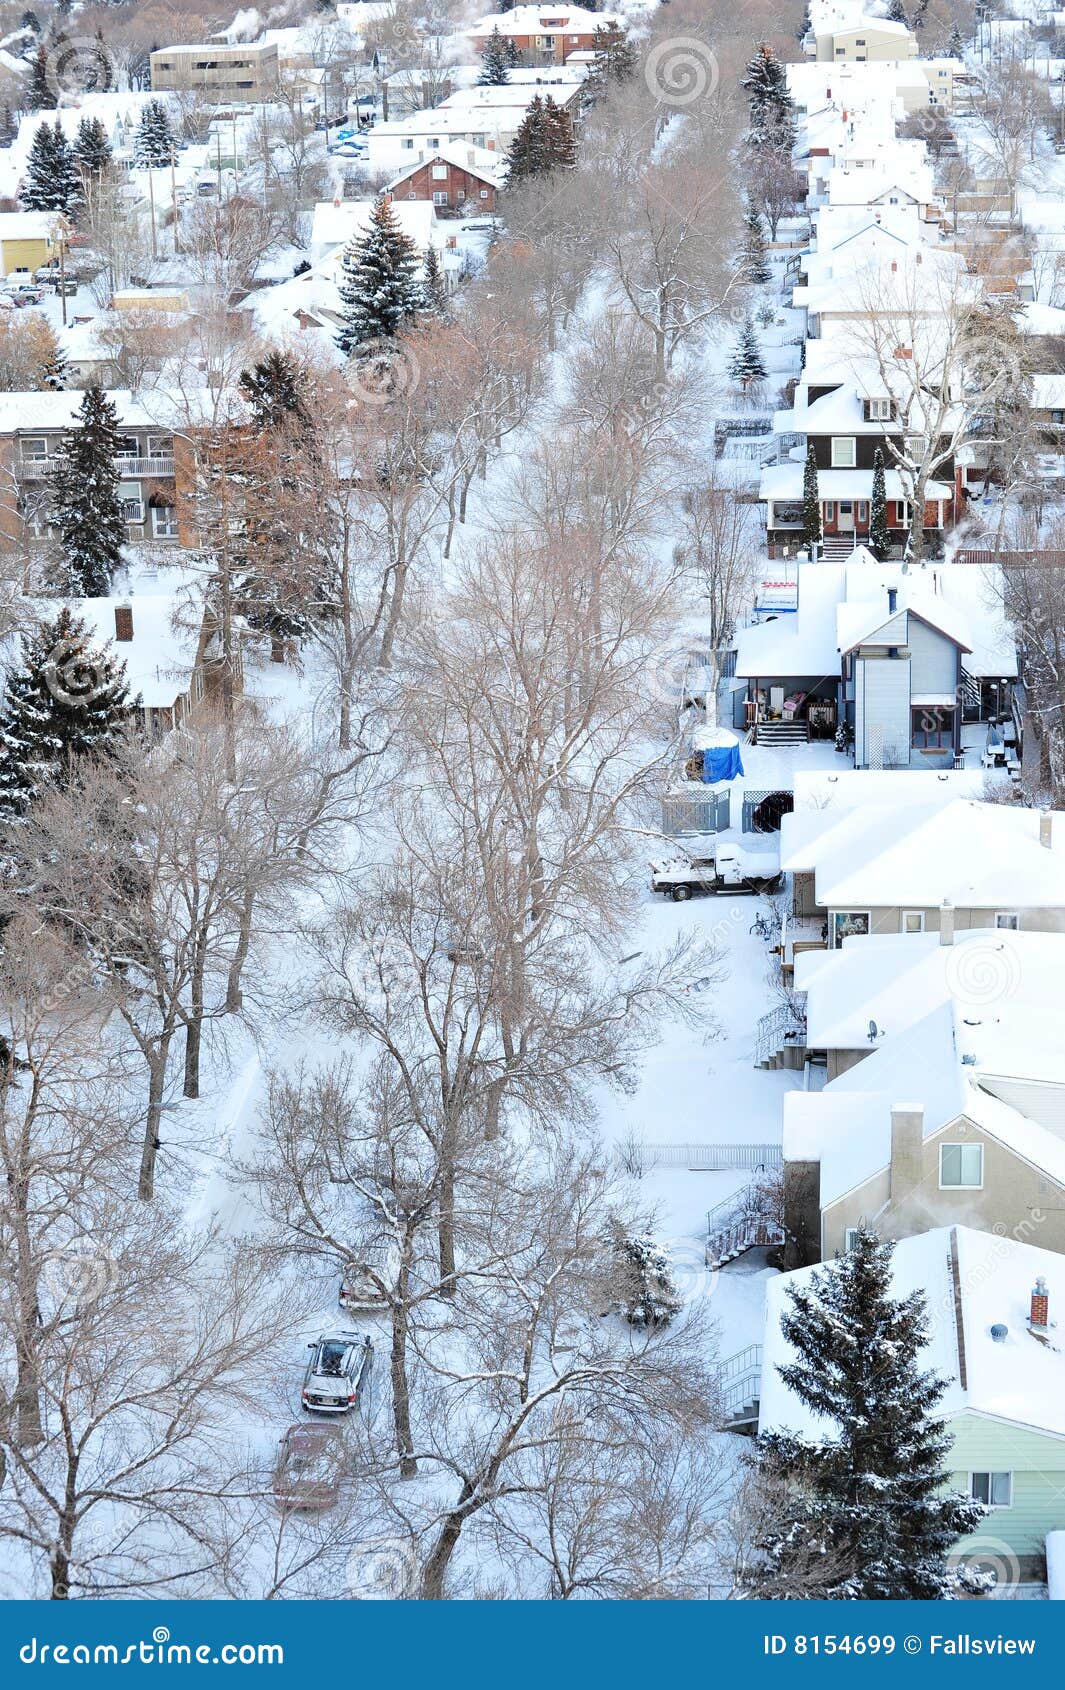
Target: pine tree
(896,13)
(276,390)
(755,267)
(85,505)
(379,290)
(91,149)
(955,44)
(494,72)
(544,142)
(879,533)
(644,1291)
(771,106)
(434,287)
(40,95)
(154,139)
(872,1495)
(65,699)
(51,181)
(746,365)
(511,53)
(615,59)
(811,504)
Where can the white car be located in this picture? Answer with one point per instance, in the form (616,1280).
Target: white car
(337,1373)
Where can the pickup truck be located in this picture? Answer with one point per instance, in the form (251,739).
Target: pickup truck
(726,867)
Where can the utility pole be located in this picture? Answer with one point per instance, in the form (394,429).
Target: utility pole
(173,200)
(151,204)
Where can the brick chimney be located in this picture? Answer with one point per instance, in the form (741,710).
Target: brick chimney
(124,622)
(1040,1305)
(946,922)
(1046,828)
(907,1141)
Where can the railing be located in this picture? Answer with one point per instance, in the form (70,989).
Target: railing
(802,933)
(712,1158)
(740,1379)
(782,1026)
(744,1221)
(42,469)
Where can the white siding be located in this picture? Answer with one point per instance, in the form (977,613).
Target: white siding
(882,713)
(933,661)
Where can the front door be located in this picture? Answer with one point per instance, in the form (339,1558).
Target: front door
(846,516)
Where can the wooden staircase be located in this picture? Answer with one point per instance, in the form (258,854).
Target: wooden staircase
(781,733)
(737,1225)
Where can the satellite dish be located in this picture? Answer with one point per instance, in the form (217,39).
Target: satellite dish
(874,1032)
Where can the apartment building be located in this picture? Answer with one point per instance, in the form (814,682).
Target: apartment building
(243,74)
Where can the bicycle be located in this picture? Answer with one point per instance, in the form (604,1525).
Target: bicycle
(762,926)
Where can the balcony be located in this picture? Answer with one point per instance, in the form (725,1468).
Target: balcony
(127,469)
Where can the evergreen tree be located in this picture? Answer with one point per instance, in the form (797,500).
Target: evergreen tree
(276,390)
(85,504)
(879,533)
(544,142)
(615,59)
(771,106)
(896,13)
(494,72)
(434,287)
(643,1285)
(872,1495)
(40,96)
(746,365)
(919,16)
(511,53)
(811,504)
(91,149)
(805,26)
(379,290)
(65,699)
(955,44)
(154,139)
(755,267)
(51,181)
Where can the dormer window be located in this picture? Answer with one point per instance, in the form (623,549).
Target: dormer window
(880,410)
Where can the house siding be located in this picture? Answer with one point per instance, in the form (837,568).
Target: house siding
(933,660)
(1037,1462)
(882,713)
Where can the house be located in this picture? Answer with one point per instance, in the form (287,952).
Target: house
(453,179)
(993,1305)
(172,667)
(244,73)
(483,118)
(864,40)
(920,868)
(893,656)
(956,1110)
(32,426)
(27,240)
(545,32)
(336,222)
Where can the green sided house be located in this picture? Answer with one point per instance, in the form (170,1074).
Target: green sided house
(994,1307)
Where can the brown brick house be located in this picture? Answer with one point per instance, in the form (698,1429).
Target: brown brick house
(453,179)
(545,32)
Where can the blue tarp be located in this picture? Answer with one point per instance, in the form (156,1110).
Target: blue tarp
(722,762)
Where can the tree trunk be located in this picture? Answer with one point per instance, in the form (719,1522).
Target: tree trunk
(234,997)
(395,612)
(156,1082)
(446,1226)
(408,1467)
(29,1429)
(435,1572)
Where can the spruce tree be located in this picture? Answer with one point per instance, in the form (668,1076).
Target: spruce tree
(276,390)
(879,533)
(544,142)
(811,504)
(85,505)
(91,149)
(51,181)
(511,53)
(154,139)
(434,287)
(644,1291)
(896,13)
(746,365)
(494,72)
(65,698)
(615,60)
(40,96)
(871,1496)
(955,44)
(755,266)
(379,290)
(772,109)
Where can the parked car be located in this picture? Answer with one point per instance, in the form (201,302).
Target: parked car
(349,149)
(723,867)
(337,1373)
(47,273)
(359,1282)
(309,1467)
(28,292)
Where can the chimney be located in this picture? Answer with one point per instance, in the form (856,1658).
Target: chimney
(907,1149)
(946,922)
(124,622)
(892,600)
(1046,828)
(1040,1305)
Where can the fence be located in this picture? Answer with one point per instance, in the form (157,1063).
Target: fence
(712,1158)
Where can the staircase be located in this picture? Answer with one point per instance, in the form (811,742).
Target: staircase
(740,1380)
(781,1038)
(837,548)
(781,733)
(740,1224)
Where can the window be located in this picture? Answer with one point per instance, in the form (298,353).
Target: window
(132,510)
(858,43)
(164,522)
(863,510)
(439,172)
(830,510)
(994,1489)
(880,410)
(843,452)
(846,507)
(1008,920)
(902,512)
(849,924)
(932,728)
(916,446)
(1057,417)
(160,445)
(34,448)
(850,1238)
(484,193)
(961,1166)
(913,921)
(408,144)
(440,199)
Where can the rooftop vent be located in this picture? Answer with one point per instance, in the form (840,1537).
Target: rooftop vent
(999,1333)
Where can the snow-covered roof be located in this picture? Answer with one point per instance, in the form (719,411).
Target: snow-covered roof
(479,161)
(846,789)
(1020,1380)
(544,20)
(978,855)
(26,225)
(336,222)
(159,659)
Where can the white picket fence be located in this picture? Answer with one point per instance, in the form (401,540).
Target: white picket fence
(711,1158)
